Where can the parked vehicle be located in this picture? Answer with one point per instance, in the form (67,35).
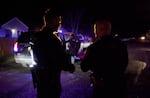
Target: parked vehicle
(23,52)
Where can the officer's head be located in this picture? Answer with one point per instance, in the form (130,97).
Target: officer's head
(102,28)
(50,20)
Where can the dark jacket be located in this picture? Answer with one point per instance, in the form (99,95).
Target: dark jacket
(108,59)
(52,59)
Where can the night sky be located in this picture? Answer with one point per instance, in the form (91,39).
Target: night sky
(126,15)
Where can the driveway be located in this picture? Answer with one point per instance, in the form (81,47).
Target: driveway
(18,84)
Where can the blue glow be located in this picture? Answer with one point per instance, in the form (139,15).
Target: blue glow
(59,31)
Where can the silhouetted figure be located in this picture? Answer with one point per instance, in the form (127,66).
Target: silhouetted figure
(52,59)
(73,45)
(107,58)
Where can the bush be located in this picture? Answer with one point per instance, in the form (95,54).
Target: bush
(6,59)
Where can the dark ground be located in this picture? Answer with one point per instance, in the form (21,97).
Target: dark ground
(16,81)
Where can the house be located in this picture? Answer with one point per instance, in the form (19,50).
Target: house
(13,28)
(9,32)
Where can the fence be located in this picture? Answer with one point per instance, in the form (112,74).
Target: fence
(6,46)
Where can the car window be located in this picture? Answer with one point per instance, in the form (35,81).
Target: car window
(24,37)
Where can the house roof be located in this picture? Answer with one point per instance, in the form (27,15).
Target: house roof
(15,23)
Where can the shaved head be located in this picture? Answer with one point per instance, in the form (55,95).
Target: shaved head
(102,28)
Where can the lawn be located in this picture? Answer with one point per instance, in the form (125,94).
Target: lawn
(7,63)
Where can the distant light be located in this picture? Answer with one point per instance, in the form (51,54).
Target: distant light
(16,46)
(60,31)
(14,32)
(29,48)
(116,35)
(142,37)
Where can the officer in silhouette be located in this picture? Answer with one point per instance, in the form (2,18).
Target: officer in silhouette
(51,60)
(107,58)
